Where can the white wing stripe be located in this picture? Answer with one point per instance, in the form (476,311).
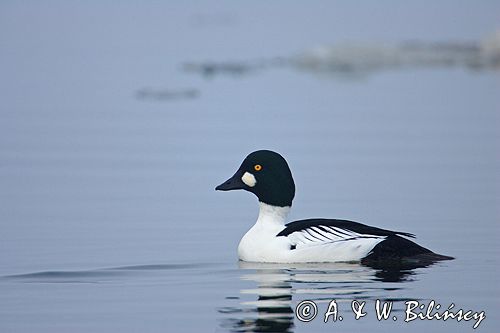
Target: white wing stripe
(325,234)
(307,236)
(343,234)
(315,235)
(299,238)
(346,232)
(334,232)
(318,233)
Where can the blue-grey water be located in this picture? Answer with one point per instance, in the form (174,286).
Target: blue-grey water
(117,120)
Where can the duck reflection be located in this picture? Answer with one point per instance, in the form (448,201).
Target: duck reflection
(273,310)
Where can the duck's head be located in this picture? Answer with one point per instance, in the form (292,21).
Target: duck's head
(267,175)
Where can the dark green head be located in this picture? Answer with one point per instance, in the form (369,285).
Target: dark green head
(267,175)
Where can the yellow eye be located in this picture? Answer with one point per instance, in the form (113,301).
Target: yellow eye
(257,167)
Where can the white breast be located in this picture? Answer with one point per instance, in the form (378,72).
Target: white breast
(260,243)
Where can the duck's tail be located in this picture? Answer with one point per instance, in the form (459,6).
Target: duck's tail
(398,251)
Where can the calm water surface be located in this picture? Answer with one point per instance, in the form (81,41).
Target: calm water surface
(110,152)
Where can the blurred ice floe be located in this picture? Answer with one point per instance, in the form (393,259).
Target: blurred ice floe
(234,68)
(358,58)
(166,94)
(363,59)
(348,60)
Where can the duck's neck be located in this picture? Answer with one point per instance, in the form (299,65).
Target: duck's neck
(272,215)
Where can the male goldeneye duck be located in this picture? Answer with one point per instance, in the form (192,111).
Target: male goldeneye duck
(267,175)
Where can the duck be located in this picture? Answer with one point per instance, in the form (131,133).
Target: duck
(271,239)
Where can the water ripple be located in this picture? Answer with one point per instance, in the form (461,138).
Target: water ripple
(99,275)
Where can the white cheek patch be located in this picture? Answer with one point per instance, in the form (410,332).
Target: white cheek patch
(249,179)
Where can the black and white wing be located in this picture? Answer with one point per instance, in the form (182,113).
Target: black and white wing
(341,240)
(311,232)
